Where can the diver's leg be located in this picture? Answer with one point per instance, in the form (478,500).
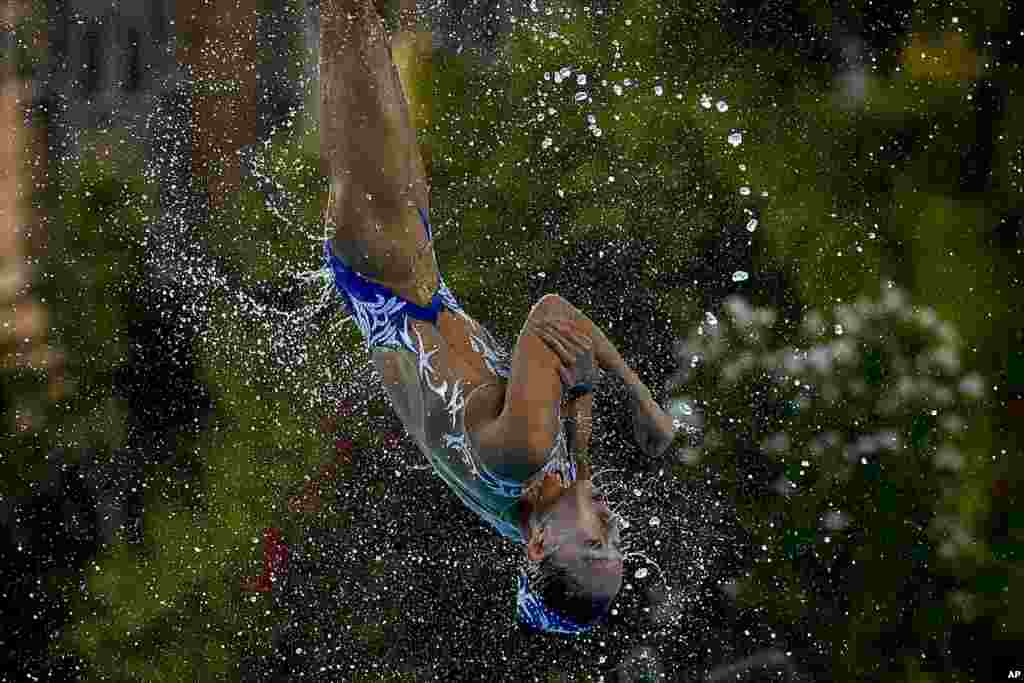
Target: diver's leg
(377,178)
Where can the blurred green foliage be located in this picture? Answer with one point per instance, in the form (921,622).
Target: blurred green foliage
(848,205)
(882,471)
(94,216)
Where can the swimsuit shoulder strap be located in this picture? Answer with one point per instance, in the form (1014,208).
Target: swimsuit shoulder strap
(426,222)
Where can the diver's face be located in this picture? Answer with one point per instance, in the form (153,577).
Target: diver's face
(580,535)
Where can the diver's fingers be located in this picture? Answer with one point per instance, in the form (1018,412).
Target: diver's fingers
(557,342)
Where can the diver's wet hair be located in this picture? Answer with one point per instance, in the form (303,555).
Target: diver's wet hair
(564,593)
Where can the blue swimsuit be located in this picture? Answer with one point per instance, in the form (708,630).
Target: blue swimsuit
(383,318)
(379,312)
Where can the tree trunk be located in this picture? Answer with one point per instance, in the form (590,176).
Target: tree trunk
(217,39)
(23,319)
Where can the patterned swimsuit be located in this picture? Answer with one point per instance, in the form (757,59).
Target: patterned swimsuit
(384,318)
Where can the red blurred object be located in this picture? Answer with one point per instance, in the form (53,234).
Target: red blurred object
(275,563)
(1000,488)
(392,440)
(1016,407)
(275,553)
(346,408)
(309,499)
(343,448)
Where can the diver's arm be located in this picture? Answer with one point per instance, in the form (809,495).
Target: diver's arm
(579,430)
(605,352)
(521,437)
(609,358)
(653,429)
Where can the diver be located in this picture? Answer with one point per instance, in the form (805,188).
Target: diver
(489,422)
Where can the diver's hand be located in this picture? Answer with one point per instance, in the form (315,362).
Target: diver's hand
(653,428)
(575,349)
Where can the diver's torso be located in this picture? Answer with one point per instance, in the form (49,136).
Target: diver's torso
(442,407)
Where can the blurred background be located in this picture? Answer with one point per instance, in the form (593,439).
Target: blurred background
(802,223)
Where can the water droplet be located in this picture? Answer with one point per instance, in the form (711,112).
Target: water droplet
(617,88)
(598,132)
(581,79)
(679,408)
(948,458)
(641,573)
(710,317)
(752,225)
(736,139)
(743,167)
(627,82)
(591,119)
(560,192)
(547,143)
(658,90)
(580,96)
(547,75)
(637,492)
(629,22)
(836,520)
(705,101)
(740,276)
(655,521)
(745,191)
(722,106)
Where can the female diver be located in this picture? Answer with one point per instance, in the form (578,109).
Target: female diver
(490,425)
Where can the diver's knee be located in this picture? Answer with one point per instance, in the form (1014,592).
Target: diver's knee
(550,305)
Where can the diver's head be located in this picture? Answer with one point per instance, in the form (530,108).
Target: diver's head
(574,562)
